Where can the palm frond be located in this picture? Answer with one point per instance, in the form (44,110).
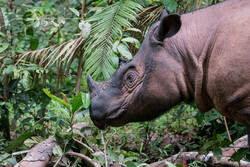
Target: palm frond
(107,25)
(48,56)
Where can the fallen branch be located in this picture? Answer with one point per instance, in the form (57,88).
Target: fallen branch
(210,159)
(39,155)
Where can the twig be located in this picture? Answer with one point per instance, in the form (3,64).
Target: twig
(225,121)
(83,157)
(105,150)
(57,162)
(90,149)
(20,152)
(54,33)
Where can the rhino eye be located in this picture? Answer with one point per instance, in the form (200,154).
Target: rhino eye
(130,79)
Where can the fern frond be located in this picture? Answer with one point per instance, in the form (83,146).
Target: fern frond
(107,25)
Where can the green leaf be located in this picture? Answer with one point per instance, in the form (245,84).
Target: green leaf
(115,45)
(9,69)
(33,140)
(86,100)
(112,155)
(130,164)
(19,140)
(134,29)
(3,46)
(57,150)
(121,158)
(237,156)
(34,42)
(123,49)
(131,159)
(217,153)
(169,4)
(2,34)
(74,11)
(77,102)
(130,40)
(30,31)
(169,164)
(7,159)
(56,98)
(85,128)
(208,146)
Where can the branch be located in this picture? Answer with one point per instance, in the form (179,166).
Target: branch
(104,150)
(3,29)
(83,9)
(91,150)
(83,157)
(80,62)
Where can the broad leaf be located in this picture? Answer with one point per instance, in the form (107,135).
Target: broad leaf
(237,156)
(74,11)
(169,4)
(3,46)
(56,98)
(77,102)
(19,140)
(217,153)
(86,100)
(34,42)
(124,50)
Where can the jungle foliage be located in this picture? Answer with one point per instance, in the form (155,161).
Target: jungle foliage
(47,48)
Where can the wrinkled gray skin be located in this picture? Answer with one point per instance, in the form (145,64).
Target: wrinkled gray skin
(203,56)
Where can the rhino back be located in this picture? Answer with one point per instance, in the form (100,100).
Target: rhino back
(214,44)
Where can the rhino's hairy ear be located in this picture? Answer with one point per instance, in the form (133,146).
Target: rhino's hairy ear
(169,26)
(122,61)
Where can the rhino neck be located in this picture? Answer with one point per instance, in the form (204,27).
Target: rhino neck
(194,44)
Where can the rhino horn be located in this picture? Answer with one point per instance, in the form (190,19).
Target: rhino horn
(91,83)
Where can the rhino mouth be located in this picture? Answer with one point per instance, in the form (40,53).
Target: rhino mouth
(115,119)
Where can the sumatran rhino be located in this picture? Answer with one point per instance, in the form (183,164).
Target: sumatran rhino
(202,55)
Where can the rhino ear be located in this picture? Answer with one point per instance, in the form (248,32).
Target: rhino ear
(169,26)
(164,14)
(122,61)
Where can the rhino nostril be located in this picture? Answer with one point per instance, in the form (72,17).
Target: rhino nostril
(97,113)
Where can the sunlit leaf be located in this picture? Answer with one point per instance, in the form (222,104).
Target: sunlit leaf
(86,100)
(56,98)
(74,11)
(77,102)
(169,164)
(124,50)
(3,46)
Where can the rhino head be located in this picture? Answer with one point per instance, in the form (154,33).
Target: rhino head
(145,87)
